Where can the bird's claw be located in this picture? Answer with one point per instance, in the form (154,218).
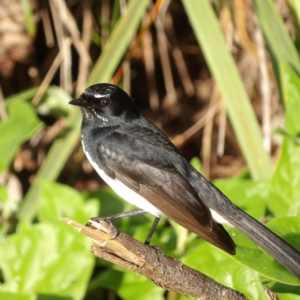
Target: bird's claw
(98,220)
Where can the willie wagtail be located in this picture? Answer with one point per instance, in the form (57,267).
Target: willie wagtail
(142,166)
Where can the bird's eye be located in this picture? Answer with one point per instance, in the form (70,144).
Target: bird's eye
(105,102)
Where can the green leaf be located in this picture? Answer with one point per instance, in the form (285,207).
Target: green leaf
(222,268)
(20,126)
(225,73)
(250,196)
(55,102)
(281,288)
(249,254)
(196,163)
(59,201)
(288,228)
(16,296)
(146,290)
(41,260)
(129,285)
(288,296)
(284,188)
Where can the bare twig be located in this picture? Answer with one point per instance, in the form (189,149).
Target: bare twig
(164,271)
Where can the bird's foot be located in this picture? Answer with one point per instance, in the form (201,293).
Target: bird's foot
(100,220)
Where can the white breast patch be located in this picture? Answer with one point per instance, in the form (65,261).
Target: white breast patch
(123,191)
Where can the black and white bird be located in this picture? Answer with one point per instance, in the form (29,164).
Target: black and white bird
(143,167)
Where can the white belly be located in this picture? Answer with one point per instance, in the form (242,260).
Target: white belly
(123,191)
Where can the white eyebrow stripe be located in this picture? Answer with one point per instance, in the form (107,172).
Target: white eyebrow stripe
(101,96)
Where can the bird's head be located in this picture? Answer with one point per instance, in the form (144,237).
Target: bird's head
(106,102)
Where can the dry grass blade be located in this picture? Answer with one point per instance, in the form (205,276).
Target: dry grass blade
(164,56)
(178,58)
(150,68)
(207,134)
(47,79)
(83,70)
(180,139)
(265,88)
(68,20)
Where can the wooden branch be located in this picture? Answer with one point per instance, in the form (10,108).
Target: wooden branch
(164,271)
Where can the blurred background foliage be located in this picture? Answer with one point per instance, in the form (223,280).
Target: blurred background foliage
(219,77)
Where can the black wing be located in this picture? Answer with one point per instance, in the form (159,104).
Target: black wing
(145,160)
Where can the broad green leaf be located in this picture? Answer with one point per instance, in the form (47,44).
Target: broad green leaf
(110,279)
(250,196)
(16,296)
(225,73)
(288,228)
(225,270)
(287,296)
(249,254)
(281,288)
(129,285)
(59,201)
(284,197)
(20,126)
(50,259)
(146,290)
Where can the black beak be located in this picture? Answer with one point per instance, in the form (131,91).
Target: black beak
(78,102)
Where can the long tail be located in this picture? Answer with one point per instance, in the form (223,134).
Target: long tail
(257,232)
(266,239)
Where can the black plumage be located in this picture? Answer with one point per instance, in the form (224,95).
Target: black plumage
(127,149)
